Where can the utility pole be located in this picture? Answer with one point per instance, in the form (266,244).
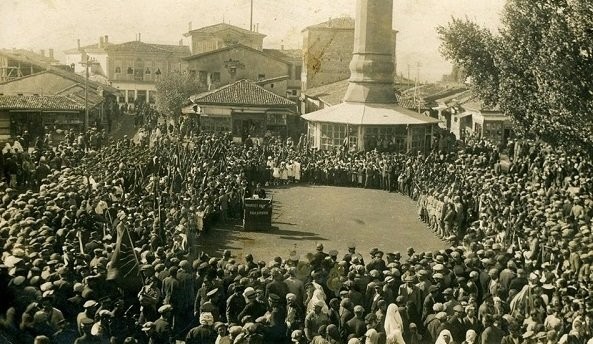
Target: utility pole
(251,17)
(86,65)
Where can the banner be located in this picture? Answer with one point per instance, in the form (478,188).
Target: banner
(257,214)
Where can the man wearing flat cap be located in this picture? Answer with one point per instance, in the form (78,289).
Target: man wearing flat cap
(275,331)
(411,294)
(90,308)
(253,307)
(212,304)
(163,332)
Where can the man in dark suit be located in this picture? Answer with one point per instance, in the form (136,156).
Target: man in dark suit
(277,286)
(253,307)
(356,326)
(318,257)
(455,324)
(345,314)
(162,326)
(234,305)
(259,191)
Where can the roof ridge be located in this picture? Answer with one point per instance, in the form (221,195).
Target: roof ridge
(228,25)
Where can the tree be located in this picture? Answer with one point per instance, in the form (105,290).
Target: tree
(537,68)
(174,90)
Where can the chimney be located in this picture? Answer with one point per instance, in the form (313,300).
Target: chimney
(282,47)
(78,43)
(106,39)
(371,68)
(189,26)
(181,42)
(101,41)
(42,52)
(139,37)
(51,53)
(257,27)
(329,22)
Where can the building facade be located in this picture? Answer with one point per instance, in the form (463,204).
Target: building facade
(327,51)
(18,63)
(246,110)
(220,36)
(132,67)
(223,54)
(224,66)
(48,88)
(135,67)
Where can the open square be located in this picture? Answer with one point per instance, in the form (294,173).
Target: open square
(305,215)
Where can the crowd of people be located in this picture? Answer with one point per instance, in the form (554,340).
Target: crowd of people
(107,250)
(25,162)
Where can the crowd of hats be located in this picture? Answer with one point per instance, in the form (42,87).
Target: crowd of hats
(520,267)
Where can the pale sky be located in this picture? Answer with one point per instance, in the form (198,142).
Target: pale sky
(44,24)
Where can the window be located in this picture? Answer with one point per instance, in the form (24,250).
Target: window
(215,77)
(261,77)
(392,139)
(122,97)
(158,71)
(131,96)
(418,140)
(130,70)
(297,72)
(294,92)
(147,71)
(203,76)
(215,124)
(152,97)
(332,135)
(117,70)
(271,85)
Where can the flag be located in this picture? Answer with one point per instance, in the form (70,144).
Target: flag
(124,269)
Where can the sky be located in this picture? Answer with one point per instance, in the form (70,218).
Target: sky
(57,24)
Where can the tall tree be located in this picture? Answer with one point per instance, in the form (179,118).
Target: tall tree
(173,91)
(537,67)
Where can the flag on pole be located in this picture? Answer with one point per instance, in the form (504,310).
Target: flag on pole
(124,269)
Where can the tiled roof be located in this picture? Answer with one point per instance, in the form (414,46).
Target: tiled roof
(39,103)
(242,92)
(28,57)
(223,26)
(331,94)
(81,80)
(285,54)
(138,46)
(334,23)
(88,48)
(235,46)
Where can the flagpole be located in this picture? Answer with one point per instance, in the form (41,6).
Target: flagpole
(134,253)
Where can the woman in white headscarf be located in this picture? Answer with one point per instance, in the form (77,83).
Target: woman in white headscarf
(318,297)
(444,338)
(394,325)
(470,337)
(371,336)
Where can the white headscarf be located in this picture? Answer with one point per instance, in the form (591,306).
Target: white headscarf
(394,325)
(318,295)
(441,338)
(372,337)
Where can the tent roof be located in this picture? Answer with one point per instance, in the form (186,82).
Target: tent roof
(369,114)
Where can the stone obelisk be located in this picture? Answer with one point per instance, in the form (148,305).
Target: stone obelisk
(371,68)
